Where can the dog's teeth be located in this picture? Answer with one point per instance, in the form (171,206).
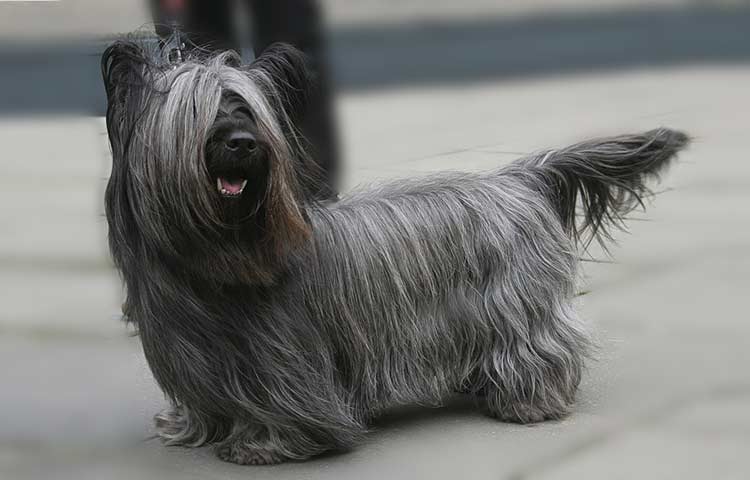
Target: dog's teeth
(218,185)
(244,184)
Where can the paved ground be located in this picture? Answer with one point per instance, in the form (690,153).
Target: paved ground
(667,398)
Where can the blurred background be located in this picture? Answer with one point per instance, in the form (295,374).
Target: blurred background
(422,85)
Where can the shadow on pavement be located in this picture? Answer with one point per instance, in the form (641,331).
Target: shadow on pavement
(457,406)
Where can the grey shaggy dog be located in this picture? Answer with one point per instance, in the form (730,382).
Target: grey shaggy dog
(278,327)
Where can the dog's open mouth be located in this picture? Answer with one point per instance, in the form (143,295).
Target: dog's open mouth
(231,186)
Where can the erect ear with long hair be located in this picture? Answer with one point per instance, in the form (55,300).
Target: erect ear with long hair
(125,74)
(283,73)
(124,71)
(289,71)
(293,87)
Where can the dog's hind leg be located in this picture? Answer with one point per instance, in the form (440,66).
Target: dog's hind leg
(533,363)
(534,366)
(535,377)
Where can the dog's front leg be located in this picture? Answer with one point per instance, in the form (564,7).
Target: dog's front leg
(250,444)
(181,426)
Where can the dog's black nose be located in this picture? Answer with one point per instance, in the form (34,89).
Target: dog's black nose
(240,142)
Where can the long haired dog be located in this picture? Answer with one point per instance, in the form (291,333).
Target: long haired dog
(278,328)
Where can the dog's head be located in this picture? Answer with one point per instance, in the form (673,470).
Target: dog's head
(205,155)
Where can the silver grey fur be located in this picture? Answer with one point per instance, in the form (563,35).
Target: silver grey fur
(282,336)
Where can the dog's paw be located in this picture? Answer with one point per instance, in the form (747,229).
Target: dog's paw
(242,455)
(527,414)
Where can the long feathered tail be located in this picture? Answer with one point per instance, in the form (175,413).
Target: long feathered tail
(594,184)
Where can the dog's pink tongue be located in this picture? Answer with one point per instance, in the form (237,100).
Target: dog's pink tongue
(232,186)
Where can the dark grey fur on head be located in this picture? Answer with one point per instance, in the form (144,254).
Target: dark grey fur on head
(278,333)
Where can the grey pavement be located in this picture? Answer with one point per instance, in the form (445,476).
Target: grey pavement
(666,398)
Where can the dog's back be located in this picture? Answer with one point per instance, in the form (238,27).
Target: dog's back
(412,270)
(464,280)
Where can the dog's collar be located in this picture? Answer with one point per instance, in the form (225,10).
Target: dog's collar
(174,47)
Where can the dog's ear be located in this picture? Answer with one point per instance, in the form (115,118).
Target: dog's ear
(124,71)
(291,77)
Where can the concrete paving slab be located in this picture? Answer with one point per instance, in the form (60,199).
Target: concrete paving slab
(60,300)
(725,414)
(53,175)
(651,453)
(555,112)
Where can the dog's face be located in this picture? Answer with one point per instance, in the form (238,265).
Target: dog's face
(237,159)
(203,173)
